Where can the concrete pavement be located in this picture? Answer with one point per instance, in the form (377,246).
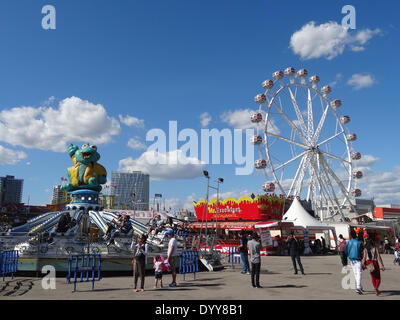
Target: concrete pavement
(323,280)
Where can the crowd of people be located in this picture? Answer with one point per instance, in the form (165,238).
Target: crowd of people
(157,226)
(317,246)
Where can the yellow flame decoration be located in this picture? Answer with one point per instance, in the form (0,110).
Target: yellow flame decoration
(240,200)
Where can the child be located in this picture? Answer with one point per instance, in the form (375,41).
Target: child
(396,255)
(158,271)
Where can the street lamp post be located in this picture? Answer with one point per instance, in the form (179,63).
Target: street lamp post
(220,180)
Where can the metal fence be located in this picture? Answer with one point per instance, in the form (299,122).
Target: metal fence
(189,262)
(8,263)
(233,256)
(84,264)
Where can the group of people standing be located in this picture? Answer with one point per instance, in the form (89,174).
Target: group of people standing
(139,261)
(251,245)
(362,257)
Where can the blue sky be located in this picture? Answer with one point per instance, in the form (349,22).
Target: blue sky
(175,60)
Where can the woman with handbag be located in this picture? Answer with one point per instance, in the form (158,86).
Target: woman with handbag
(139,262)
(372,264)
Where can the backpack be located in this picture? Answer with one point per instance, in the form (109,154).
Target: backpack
(342,245)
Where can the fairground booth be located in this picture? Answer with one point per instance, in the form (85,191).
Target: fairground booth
(263,214)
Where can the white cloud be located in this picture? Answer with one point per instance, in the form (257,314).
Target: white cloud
(359,81)
(131,121)
(135,144)
(366,160)
(177,203)
(383,186)
(8,156)
(338,77)
(205,119)
(239,119)
(234,194)
(164,166)
(46,128)
(327,40)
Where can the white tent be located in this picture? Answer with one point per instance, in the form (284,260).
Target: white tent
(301,218)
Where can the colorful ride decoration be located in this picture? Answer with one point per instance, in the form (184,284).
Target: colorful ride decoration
(86,173)
(230,209)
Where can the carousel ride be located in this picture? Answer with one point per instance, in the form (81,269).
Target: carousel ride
(51,237)
(305,149)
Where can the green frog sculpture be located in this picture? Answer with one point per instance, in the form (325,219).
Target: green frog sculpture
(86,173)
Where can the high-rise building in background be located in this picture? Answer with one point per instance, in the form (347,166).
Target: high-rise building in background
(59,196)
(130,190)
(11,189)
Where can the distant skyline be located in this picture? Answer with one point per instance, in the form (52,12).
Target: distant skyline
(112,71)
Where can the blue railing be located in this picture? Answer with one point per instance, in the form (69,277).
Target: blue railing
(189,262)
(84,263)
(9,263)
(233,256)
(182,233)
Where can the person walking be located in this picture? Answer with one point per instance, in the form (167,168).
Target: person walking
(387,245)
(294,251)
(342,250)
(374,263)
(139,262)
(243,250)
(255,260)
(355,252)
(173,258)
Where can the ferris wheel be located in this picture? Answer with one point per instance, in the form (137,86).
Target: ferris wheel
(305,149)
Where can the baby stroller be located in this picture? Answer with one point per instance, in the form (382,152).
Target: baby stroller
(396,255)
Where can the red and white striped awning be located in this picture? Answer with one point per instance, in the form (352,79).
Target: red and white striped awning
(240,225)
(272,224)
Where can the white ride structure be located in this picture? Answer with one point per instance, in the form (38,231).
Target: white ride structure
(304,144)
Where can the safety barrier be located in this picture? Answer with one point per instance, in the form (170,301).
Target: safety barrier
(233,256)
(182,233)
(9,263)
(88,263)
(188,262)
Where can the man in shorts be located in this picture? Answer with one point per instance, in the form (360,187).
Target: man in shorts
(173,258)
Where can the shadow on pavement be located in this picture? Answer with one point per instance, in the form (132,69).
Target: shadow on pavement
(317,273)
(188,284)
(105,290)
(285,286)
(387,293)
(17,287)
(209,279)
(268,272)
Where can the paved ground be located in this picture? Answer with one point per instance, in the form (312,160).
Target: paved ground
(323,280)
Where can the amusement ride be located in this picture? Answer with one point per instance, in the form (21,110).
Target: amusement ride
(304,144)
